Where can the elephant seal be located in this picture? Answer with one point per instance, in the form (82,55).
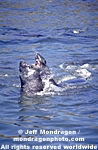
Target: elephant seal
(37,77)
(30,78)
(44,71)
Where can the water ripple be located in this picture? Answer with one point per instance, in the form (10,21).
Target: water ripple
(69,42)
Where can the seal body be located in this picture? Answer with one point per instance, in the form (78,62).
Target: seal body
(44,71)
(37,77)
(30,78)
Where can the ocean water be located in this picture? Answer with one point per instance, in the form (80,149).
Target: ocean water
(66,34)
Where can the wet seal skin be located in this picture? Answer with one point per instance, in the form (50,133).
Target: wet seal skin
(35,77)
(30,78)
(45,74)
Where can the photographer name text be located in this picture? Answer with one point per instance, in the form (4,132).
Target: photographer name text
(56,132)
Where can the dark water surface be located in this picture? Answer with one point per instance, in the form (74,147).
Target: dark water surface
(66,34)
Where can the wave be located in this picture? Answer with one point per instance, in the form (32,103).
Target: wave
(82,71)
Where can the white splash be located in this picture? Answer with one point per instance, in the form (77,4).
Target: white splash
(85,66)
(62,66)
(71,67)
(51,87)
(66,78)
(84,73)
(76,71)
(77,31)
(16,85)
(6,75)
